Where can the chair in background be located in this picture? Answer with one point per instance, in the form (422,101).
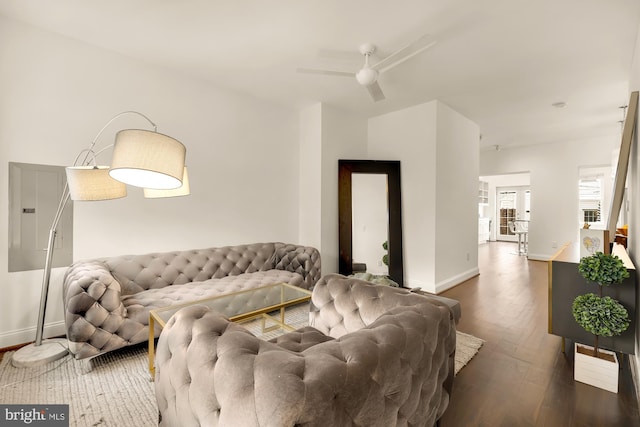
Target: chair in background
(520,228)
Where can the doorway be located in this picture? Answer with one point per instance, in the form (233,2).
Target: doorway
(594,196)
(513,206)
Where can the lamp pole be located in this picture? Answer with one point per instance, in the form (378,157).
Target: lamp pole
(41,352)
(47,265)
(46,278)
(50,350)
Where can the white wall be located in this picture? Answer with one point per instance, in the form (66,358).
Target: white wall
(438,150)
(456,231)
(344,136)
(242,155)
(327,135)
(554,172)
(409,135)
(634,198)
(310,207)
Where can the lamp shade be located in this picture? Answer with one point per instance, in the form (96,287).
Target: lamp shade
(93,183)
(147,159)
(183,190)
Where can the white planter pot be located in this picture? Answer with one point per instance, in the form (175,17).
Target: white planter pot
(595,371)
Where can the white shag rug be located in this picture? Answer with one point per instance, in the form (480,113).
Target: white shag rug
(467,346)
(118,391)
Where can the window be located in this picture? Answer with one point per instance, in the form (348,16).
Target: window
(513,209)
(507,210)
(591,215)
(590,200)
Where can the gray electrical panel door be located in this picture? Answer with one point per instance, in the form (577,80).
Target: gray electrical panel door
(34,195)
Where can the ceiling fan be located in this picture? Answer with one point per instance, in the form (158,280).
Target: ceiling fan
(367,76)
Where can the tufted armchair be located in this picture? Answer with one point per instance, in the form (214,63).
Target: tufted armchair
(107,301)
(375,356)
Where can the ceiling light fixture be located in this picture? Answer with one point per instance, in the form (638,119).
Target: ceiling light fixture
(560,104)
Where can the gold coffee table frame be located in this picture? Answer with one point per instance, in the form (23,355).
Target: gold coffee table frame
(238,307)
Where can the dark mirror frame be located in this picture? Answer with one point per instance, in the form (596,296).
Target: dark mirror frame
(390,168)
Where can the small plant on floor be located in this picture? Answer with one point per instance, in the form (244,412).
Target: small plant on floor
(601,316)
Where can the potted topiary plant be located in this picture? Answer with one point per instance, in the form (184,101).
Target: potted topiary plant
(601,316)
(385,257)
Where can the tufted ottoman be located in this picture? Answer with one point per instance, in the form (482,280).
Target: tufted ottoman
(373,356)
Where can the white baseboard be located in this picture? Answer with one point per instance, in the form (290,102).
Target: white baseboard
(27,335)
(411,284)
(445,284)
(456,280)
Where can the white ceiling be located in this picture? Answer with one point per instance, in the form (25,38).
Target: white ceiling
(501,63)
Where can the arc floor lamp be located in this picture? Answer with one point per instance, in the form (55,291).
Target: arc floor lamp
(142,158)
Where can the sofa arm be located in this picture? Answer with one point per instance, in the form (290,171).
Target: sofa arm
(341,305)
(94,313)
(188,368)
(303,260)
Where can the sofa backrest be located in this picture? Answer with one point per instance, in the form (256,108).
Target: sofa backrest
(157,270)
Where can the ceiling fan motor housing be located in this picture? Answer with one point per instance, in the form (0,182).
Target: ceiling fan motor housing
(367,76)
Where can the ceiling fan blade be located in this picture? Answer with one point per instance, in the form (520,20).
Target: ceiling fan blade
(407,52)
(375,91)
(325,72)
(346,56)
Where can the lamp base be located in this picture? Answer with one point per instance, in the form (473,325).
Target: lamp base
(35,355)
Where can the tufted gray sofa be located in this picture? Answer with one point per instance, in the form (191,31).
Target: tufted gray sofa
(375,356)
(107,301)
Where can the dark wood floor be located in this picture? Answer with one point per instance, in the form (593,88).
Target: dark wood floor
(520,377)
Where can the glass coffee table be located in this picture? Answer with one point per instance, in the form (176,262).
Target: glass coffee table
(237,306)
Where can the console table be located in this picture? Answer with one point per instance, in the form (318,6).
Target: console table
(566,283)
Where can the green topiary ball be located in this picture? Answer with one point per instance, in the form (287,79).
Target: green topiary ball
(602,316)
(385,257)
(604,269)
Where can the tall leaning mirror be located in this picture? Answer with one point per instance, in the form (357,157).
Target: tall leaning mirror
(362,213)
